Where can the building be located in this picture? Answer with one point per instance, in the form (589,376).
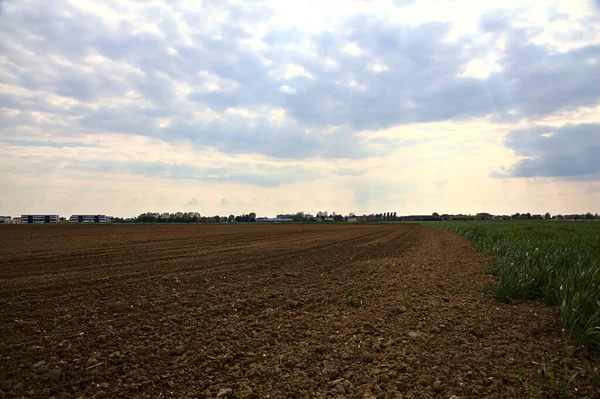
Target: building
(273,220)
(39,219)
(484,216)
(5,220)
(17,220)
(88,218)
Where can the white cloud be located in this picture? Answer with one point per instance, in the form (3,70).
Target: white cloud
(353,49)
(287,89)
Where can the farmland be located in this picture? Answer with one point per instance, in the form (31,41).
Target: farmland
(360,311)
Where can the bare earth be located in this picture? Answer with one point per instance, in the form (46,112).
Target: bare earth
(194,311)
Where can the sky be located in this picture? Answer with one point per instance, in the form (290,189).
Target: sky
(226,107)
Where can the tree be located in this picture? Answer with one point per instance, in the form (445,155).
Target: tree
(589,216)
(148,217)
(435,215)
(547,216)
(252,217)
(231,219)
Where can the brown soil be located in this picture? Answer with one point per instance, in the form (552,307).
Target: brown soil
(182,311)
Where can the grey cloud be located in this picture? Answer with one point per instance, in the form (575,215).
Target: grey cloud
(260,175)
(225,201)
(570,151)
(192,202)
(422,83)
(496,20)
(251,174)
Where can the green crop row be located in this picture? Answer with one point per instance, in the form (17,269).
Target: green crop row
(555,262)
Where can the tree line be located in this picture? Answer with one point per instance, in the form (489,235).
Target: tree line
(192,217)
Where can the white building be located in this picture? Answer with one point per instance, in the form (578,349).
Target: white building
(5,220)
(88,218)
(39,219)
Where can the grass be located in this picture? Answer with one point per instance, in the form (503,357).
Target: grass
(555,262)
(354,301)
(547,381)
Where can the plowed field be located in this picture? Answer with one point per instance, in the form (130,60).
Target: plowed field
(192,311)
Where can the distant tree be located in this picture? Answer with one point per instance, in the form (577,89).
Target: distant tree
(547,216)
(394,216)
(231,218)
(252,217)
(589,216)
(148,217)
(298,217)
(436,215)
(216,219)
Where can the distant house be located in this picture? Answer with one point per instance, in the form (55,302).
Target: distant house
(328,219)
(5,219)
(17,220)
(445,217)
(484,216)
(352,219)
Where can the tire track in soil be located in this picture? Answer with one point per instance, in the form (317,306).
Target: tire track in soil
(260,311)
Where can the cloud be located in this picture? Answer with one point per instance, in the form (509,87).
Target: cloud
(52,144)
(568,151)
(496,20)
(349,172)
(116,77)
(593,189)
(368,192)
(192,202)
(225,201)
(253,174)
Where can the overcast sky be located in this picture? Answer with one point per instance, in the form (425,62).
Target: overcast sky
(121,107)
